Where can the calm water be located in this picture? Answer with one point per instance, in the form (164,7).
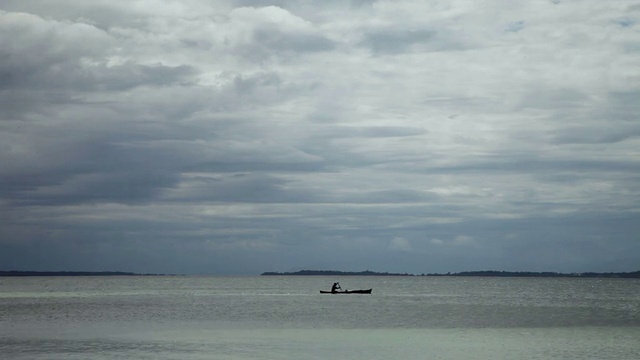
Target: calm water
(287,318)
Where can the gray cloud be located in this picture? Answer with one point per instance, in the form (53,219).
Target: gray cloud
(274,40)
(392,41)
(253,136)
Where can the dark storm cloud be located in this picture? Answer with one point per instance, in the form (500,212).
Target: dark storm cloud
(238,187)
(74,76)
(87,173)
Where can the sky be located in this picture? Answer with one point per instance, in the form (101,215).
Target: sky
(237,137)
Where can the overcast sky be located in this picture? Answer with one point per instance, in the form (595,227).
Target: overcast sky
(236,137)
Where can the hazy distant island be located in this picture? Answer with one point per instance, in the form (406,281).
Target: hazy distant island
(627,275)
(337,273)
(72,273)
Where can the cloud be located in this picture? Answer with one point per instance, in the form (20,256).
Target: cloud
(459,240)
(400,244)
(265,32)
(396,40)
(36,49)
(515,26)
(250,136)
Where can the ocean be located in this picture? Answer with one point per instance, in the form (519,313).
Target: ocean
(285,317)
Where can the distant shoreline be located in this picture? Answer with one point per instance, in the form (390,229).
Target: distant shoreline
(485,273)
(73,273)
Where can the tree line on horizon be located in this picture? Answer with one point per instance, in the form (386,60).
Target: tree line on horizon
(485,273)
(488,273)
(71,273)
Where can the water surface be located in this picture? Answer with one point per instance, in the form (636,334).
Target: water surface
(285,317)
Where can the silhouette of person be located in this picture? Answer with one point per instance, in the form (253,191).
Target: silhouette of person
(335,287)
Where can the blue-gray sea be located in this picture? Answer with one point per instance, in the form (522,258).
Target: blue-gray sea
(285,317)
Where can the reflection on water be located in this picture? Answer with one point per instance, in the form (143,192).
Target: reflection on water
(286,318)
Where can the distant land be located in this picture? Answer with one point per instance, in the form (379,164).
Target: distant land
(626,275)
(486,273)
(72,273)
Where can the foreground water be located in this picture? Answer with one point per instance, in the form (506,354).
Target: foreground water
(287,318)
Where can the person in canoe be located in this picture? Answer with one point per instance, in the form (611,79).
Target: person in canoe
(335,287)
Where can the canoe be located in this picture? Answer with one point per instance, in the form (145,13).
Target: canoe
(368,291)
